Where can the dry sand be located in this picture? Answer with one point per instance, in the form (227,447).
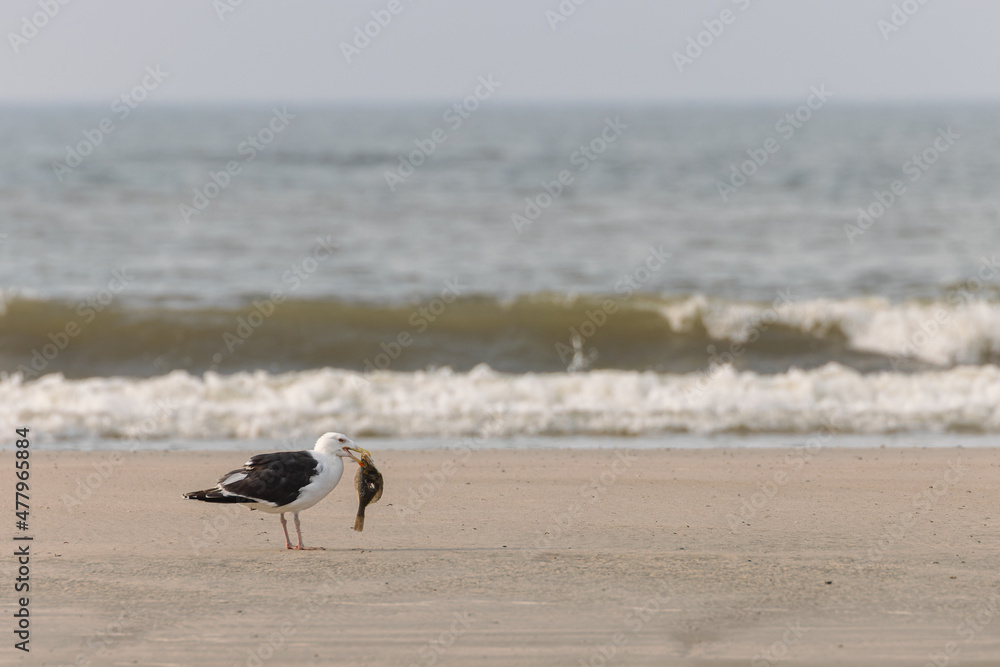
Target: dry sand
(862,557)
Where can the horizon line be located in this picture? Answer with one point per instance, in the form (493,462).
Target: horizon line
(525,102)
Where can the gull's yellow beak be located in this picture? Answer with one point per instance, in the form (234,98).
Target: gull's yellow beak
(355,449)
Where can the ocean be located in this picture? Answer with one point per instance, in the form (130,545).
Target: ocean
(185,277)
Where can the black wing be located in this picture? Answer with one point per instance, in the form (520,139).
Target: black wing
(273,478)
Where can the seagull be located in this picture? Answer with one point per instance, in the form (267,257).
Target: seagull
(285,482)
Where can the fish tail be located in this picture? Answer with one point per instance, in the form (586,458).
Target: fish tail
(359,522)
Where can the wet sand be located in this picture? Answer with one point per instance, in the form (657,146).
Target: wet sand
(557,557)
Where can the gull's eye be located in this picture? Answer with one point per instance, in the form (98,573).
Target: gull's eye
(342,439)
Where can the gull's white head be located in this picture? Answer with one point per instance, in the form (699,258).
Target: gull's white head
(340,445)
(334,443)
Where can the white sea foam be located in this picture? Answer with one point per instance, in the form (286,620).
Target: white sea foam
(959,330)
(447,404)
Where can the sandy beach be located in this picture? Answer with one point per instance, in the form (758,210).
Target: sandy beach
(559,557)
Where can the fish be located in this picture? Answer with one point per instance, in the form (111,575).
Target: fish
(368,483)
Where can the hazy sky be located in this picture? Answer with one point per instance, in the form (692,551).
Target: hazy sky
(291,51)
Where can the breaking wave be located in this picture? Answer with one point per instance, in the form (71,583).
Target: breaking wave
(533,333)
(445,403)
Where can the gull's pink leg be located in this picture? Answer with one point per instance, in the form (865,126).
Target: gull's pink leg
(284,527)
(298,531)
